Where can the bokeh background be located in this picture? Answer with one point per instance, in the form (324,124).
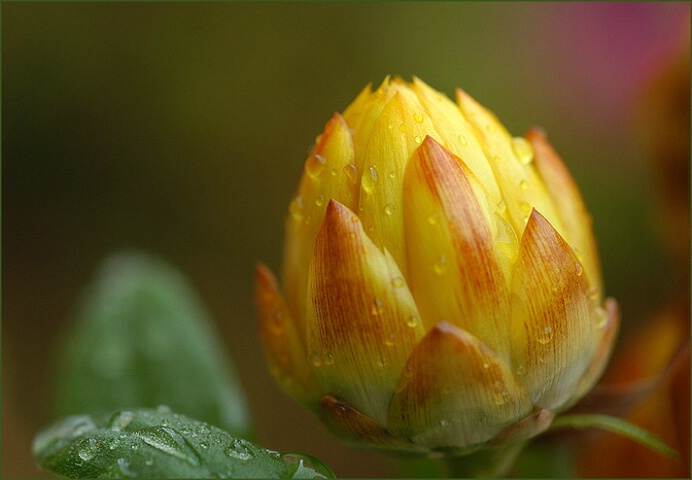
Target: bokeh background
(181,130)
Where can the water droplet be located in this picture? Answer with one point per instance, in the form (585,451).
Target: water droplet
(524,185)
(506,238)
(463,141)
(523,150)
(402,128)
(304,466)
(334,172)
(295,208)
(594,293)
(440,265)
(389,209)
(239,449)
(502,397)
(525,206)
(355,219)
(329,358)
(351,172)
(88,449)
(521,370)
(390,126)
(444,423)
(390,339)
(315,359)
(398,282)
(377,307)
(434,218)
(204,444)
(381,361)
(369,179)
(203,429)
(496,159)
(546,336)
(149,462)
(169,441)
(121,420)
(124,467)
(578,269)
(418,117)
(412,321)
(486,365)
(319,200)
(418,139)
(502,206)
(392,174)
(314,165)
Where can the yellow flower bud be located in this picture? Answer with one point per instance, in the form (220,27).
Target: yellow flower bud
(442,286)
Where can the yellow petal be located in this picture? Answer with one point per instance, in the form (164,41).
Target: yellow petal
(352,426)
(284,344)
(553,331)
(362,321)
(329,173)
(521,186)
(569,204)
(458,273)
(455,392)
(456,134)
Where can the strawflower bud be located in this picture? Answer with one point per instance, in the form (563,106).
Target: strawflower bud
(442,289)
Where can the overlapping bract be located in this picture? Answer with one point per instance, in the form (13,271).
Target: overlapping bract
(442,287)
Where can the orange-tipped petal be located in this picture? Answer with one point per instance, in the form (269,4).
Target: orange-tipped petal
(455,392)
(608,321)
(511,161)
(458,273)
(330,172)
(354,427)
(284,344)
(362,321)
(569,205)
(553,331)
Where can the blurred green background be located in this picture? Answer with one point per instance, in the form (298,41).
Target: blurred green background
(181,129)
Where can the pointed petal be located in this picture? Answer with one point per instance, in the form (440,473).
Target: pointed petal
(553,331)
(455,392)
(521,186)
(452,235)
(329,173)
(361,318)
(353,427)
(608,321)
(456,134)
(569,204)
(283,344)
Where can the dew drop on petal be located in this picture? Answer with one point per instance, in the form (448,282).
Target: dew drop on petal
(413,320)
(444,423)
(315,359)
(329,358)
(389,209)
(239,449)
(377,307)
(88,449)
(525,206)
(434,218)
(418,117)
(314,165)
(545,336)
(523,150)
(369,179)
(463,141)
(440,265)
(390,339)
(295,208)
(351,172)
(521,370)
(578,270)
(319,200)
(381,361)
(524,185)
(398,282)
(501,397)
(418,139)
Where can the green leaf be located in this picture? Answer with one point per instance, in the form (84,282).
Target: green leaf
(141,338)
(615,425)
(157,443)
